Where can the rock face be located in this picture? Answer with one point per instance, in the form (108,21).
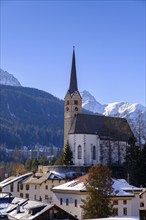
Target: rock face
(134,113)
(8,79)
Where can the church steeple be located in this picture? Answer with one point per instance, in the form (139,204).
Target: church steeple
(72,101)
(73,78)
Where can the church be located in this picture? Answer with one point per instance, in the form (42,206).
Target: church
(92,138)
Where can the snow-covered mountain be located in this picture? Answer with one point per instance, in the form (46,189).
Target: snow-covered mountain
(134,113)
(8,79)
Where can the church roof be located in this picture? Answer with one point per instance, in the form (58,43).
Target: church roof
(73,78)
(106,127)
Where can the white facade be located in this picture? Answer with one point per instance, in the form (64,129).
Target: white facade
(39,191)
(125,202)
(11,184)
(85,148)
(89,149)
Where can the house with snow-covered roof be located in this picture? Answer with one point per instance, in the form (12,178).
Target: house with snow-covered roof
(92,138)
(34,210)
(125,198)
(38,187)
(11,184)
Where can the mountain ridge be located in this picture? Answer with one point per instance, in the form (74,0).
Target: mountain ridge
(38,108)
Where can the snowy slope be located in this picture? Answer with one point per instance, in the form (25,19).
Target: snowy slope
(134,113)
(8,79)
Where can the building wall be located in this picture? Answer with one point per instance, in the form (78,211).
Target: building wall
(131,206)
(40,192)
(71,208)
(70,110)
(87,142)
(112,151)
(107,152)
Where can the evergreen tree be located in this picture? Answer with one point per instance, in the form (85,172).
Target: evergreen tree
(28,165)
(43,161)
(99,188)
(67,156)
(135,164)
(34,165)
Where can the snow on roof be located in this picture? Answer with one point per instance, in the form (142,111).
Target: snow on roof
(124,185)
(39,178)
(13,179)
(78,184)
(24,210)
(15,202)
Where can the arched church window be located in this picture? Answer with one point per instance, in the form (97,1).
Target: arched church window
(94,153)
(79,152)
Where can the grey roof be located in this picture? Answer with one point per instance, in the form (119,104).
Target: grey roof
(73,78)
(106,127)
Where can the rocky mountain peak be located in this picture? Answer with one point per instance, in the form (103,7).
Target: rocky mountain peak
(8,79)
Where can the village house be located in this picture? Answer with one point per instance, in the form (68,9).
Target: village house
(26,209)
(38,187)
(11,184)
(125,198)
(33,186)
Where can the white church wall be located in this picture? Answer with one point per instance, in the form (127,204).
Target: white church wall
(90,149)
(112,152)
(107,152)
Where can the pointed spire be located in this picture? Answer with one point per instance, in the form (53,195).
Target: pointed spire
(73,78)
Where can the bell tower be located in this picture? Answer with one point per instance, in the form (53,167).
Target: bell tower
(72,101)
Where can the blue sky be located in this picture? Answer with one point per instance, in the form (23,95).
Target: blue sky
(37,39)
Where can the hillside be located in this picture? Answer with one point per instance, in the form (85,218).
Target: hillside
(30,116)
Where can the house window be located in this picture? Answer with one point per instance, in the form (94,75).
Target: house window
(124,211)
(21,195)
(46,187)
(76,203)
(35,187)
(61,201)
(79,152)
(76,102)
(49,199)
(27,187)
(66,202)
(141,204)
(115,211)
(46,197)
(11,187)
(124,202)
(21,186)
(27,196)
(115,202)
(94,153)
(67,103)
